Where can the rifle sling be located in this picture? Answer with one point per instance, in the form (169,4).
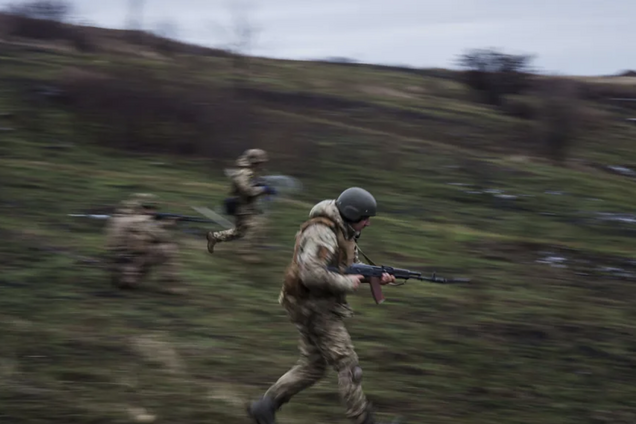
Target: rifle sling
(365,256)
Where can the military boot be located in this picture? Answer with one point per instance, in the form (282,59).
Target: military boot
(263,411)
(211,241)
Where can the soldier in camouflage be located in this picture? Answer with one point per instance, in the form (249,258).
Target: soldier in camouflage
(136,242)
(315,301)
(245,192)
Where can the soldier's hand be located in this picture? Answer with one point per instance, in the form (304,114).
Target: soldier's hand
(387,279)
(356,280)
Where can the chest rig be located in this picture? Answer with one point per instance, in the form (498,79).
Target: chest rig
(345,255)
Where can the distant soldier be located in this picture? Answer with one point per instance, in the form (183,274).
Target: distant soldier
(316,302)
(137,242)
(244,192)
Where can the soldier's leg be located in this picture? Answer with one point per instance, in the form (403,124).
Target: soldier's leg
(255,231)
(248,248)
(127,271)
(335,344)
(165,256)
(310,368)
(239,230)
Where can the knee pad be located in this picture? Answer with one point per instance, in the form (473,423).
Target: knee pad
(352,373)
(356,374)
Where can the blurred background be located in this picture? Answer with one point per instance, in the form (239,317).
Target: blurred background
(512,165)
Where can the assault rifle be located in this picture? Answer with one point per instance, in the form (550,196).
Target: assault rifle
(373,276)
(178,217)
(158,216)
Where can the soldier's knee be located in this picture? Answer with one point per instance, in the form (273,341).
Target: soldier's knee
(351,373)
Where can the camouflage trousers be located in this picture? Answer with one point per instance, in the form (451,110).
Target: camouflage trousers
(129,269)
(324,341)
(250,228)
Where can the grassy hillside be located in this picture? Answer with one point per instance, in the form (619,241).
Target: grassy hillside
(544,333)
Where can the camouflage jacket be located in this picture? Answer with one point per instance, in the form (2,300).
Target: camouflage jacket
(130,231)
(246,191)
(325,240)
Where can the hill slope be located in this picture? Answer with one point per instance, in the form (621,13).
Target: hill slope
(544,334)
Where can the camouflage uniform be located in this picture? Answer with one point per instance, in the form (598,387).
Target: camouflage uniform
(315,300)
(136,242)
(249,222)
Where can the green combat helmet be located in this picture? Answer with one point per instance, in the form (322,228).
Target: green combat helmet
(355,204)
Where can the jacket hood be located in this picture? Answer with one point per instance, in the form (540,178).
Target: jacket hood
(328,209)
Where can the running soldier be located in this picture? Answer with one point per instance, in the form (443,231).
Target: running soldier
(245,191)
(315,301)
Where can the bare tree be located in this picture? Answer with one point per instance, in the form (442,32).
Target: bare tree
(50,10)
(241,34)
(135,15)
(39,19)
(134,20)
(495,74)
(559,116)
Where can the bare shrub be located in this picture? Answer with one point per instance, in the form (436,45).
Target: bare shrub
(39,19)
(46,20)
(523,107)
(559,115)
(50,10)
(493,74)
(130,108)
(133,109)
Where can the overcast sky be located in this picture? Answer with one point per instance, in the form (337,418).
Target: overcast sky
(582,37)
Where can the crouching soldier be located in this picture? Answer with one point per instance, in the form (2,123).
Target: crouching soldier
(136,243)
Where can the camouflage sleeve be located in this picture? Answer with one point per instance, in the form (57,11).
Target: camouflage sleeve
(317,249)
(243,181)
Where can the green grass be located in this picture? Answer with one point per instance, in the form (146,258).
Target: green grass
(524,343)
